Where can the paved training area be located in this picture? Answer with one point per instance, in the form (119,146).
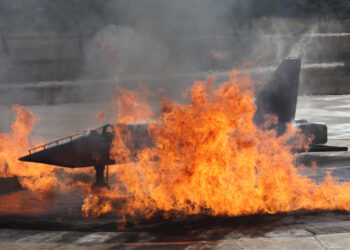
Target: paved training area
(16,239)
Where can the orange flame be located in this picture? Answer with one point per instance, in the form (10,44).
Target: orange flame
(212,158)
(209,157)
(94,207)
(14,145)
(101,116)
(132,105)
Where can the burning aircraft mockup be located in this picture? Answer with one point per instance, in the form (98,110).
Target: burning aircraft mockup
(277,97)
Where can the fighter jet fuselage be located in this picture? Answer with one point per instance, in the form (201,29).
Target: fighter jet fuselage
(278,97)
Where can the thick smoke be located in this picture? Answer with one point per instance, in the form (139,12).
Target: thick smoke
(161,37)
(161,43)
(120,51)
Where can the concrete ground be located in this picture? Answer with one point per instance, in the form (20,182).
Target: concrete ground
(112,240)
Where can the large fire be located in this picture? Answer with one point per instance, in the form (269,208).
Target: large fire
(208,157)
(211,158)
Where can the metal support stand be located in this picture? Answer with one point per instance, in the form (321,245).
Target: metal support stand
(107,174)
(100,178)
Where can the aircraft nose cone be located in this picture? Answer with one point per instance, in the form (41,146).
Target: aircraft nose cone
(59,155)
(28,158)
(82,152)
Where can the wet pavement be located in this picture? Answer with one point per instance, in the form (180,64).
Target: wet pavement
(52,222)
(299,230)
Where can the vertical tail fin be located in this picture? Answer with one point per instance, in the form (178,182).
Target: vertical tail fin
(279,95)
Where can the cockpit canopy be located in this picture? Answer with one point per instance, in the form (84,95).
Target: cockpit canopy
(108,128)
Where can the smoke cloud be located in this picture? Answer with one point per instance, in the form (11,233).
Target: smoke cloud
(160,43)
(120,51)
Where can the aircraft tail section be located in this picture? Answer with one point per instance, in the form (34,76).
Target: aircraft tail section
(279,95)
